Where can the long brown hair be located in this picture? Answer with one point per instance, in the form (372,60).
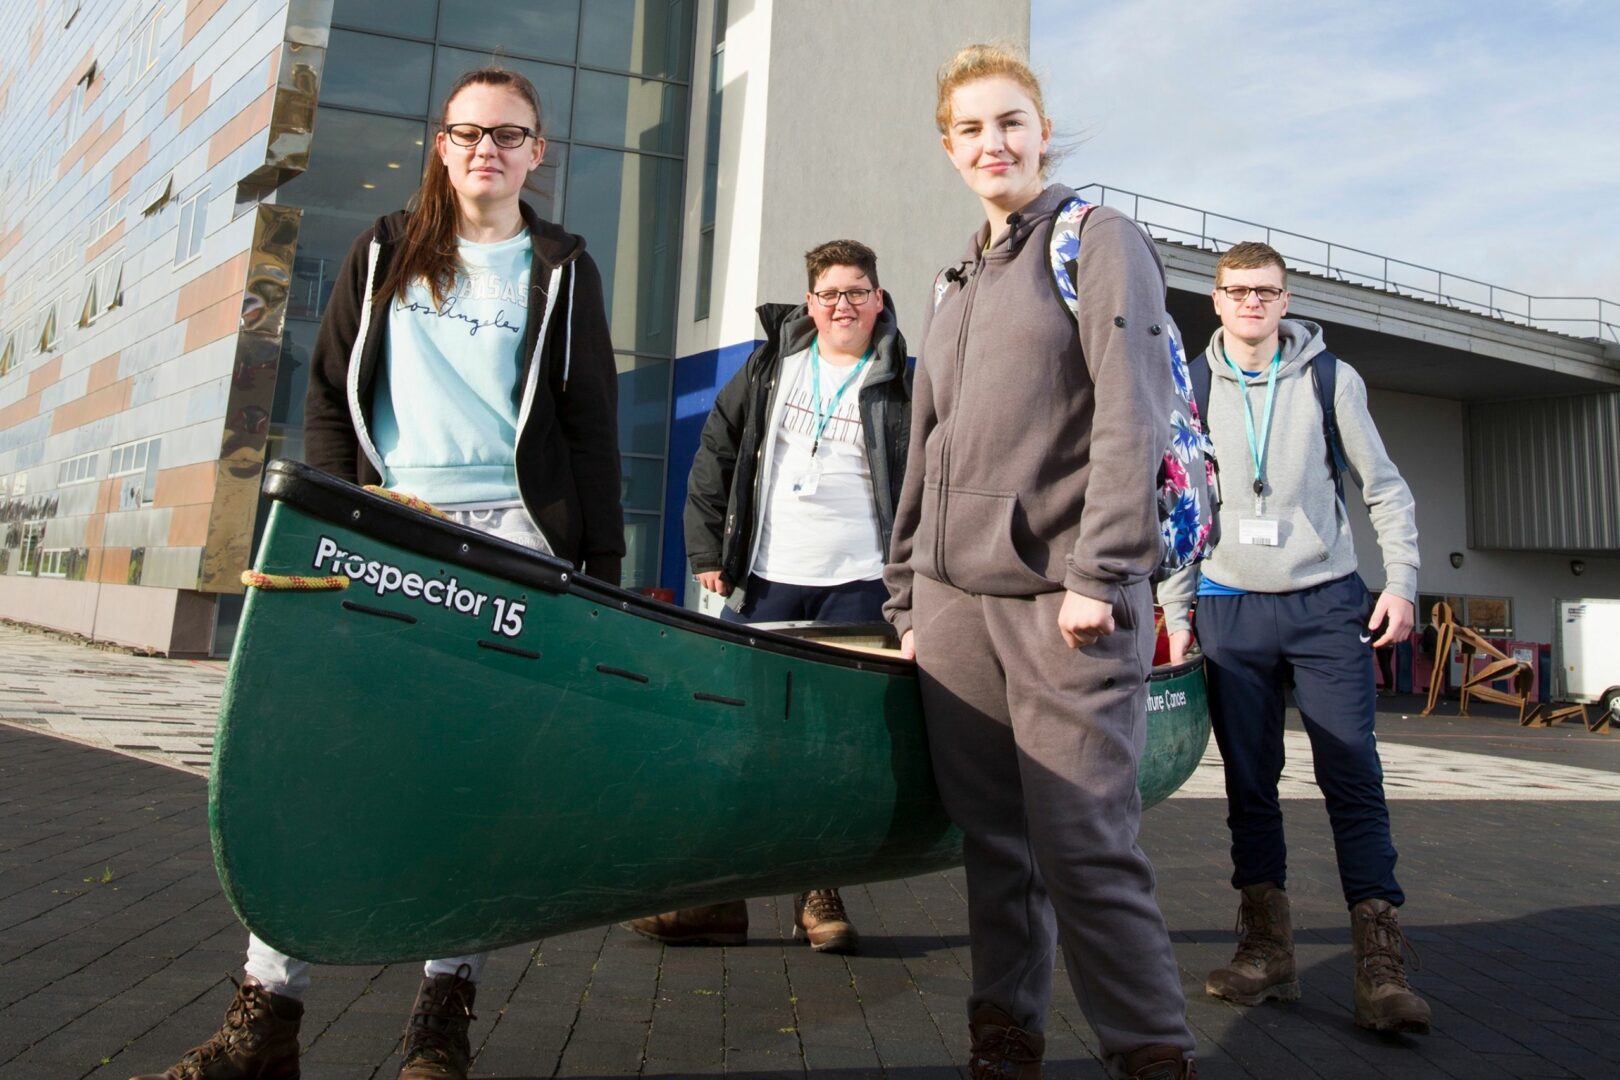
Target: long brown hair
(429,248)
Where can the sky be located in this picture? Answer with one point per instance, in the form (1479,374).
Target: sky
(1481,138)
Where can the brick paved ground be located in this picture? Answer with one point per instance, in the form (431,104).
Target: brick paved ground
(114,939)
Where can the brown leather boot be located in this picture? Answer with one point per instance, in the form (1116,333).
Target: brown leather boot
(1263,966)
(258,1041)
(1384,999)
(1159,1063)
(1001,1049)
(436,1046)
(819,918)
(712,924)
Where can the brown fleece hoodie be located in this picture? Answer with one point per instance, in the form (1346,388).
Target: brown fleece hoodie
(1034,449)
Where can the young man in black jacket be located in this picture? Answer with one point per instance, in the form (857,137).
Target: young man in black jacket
(791,499)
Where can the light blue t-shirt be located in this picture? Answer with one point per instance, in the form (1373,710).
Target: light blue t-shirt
(446,406)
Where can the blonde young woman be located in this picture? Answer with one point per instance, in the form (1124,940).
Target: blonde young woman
(463,358)
(1023,540)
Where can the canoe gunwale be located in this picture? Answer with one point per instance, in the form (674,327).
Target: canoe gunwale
(327,498)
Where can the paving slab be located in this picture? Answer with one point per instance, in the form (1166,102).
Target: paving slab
(116,944)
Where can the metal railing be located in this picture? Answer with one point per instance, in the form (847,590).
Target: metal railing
(1177,223)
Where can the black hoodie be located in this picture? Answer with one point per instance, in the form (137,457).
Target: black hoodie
(567,440)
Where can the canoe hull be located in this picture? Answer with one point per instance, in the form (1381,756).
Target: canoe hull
(506,751)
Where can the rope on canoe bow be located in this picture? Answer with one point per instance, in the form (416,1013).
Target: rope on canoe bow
(305,583)
(408,500)
(293,582)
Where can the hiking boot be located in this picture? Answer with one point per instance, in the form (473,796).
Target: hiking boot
(1263,966)
(819,918)
(1384,999)
(1001,1049)
(436,1046)
(258,1041)
(1160,1063)
(712,924)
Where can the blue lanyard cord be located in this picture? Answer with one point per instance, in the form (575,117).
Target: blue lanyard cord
(822,418)
(1257,447)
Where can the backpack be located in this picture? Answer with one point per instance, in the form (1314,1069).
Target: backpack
(1325,377)
(1188,492)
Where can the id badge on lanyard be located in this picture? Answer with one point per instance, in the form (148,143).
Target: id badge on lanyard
(807,477)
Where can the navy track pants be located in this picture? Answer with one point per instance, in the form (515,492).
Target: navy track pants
(1317,637)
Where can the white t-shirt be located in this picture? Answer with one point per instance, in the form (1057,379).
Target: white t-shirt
(817,525)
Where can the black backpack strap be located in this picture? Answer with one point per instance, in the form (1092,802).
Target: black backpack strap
(1325,374)
(1198,371)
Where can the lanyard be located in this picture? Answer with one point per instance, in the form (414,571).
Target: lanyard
(821,418)
(1257,447)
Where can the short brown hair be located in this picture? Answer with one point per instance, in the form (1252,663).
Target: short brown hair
(823,257)
(1250,255)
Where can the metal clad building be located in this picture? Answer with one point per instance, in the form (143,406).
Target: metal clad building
(182,178)
(1544,475)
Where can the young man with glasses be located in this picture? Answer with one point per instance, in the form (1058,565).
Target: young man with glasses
(1279,600)
(791,500)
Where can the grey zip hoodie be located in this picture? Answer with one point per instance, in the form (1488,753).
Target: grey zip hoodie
(1034,443)
(1314,541)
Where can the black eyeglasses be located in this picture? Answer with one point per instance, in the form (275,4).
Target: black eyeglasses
(1239,293)
(506,136)
(856,297)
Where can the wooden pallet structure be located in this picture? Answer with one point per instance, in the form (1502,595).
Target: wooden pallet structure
(1557,712)
(1476,684)
(1501,666)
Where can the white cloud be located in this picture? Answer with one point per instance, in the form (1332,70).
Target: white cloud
(1481,139)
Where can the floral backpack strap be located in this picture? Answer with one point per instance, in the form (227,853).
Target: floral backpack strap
(1063,251)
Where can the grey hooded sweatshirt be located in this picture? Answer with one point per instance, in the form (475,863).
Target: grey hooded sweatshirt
(1314,541)
(1035,443)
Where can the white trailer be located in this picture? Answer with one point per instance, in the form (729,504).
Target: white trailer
(1586,653)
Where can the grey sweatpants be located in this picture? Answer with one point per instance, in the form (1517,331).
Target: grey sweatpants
(1035,747)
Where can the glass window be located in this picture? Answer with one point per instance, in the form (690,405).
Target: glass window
(627,207)
(542,28)
(371,72)
(364,165)
(637,113)
(640,550)
(711,166)
(643,404)
(643,485)
(555,84)
(324,238)
(292,373)
(413,18)
(651,37)
(543,190)
(188,238)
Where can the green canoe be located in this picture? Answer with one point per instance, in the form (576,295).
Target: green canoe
(472,746)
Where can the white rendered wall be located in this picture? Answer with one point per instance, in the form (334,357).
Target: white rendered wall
(828,132)
(1424,436)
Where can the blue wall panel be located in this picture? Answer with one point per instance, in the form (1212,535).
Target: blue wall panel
(697,379)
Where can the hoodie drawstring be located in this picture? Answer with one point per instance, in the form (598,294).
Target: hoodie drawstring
(568,329)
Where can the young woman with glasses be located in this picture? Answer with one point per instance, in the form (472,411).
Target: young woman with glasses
(463,359)
(1023,542)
